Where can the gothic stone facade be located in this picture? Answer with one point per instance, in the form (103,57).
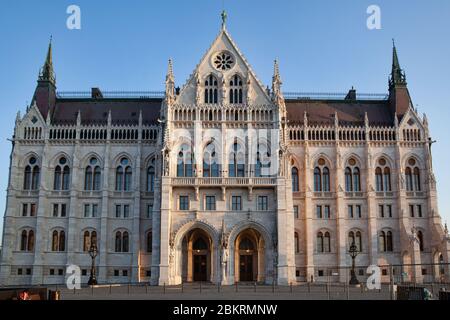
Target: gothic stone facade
(123,173)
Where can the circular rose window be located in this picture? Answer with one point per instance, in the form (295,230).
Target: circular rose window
(223,61)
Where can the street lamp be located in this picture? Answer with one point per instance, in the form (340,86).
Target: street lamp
(353,252)
(93,253)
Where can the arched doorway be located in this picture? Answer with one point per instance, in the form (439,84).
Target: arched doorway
(249,256)
(197,245)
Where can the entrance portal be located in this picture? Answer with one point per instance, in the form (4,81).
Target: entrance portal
(246,268)
(196,262)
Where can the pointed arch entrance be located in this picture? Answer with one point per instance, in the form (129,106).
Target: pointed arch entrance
(197,258)
(249,256)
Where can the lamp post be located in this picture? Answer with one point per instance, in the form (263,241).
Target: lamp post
(93,253)
(353,252)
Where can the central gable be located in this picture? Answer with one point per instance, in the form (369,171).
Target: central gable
(223,60)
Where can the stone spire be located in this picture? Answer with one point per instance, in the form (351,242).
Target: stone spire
(277,95)
(170,84)
(46,73)
(398,76)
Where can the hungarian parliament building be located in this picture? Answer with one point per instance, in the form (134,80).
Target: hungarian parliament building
(222,180)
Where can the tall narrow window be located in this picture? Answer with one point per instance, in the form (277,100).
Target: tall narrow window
(62,174)
(326,179)
(236,166)
(409,180)
(356,179)
(389,243)
(86,241)
(319,242)
(295,187)
(123,176)
(92,175)
(420,237)
(118,242)
(297,244)
(211,90)
(149,242)
(236,90)
(210,161)
(382,241)
(387,179)
(327,242)
(383,176)
(379,179)
(358,241)
(185,162)
(317,180)
(31,175)
(23,240)
(30,243)
(125,240)
(348,180)
(417,185)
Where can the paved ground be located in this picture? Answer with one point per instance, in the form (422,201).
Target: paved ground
(212,292)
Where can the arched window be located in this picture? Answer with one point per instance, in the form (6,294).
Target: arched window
(94,238)
(297,244)
(420,237)
(351,238)
(389,243)
(128,176)
(185,162)
(92,175)
(23,240)
(327,242)
(88,178)
(118,242)
(35,178)
(320,242)
(356,179)
(236,90)
(321,177)
(149,242)
(211,90)
(58,240)
(409,180)
(262,167)
(326,179)
(317,180)
(57,180)
(62,175)
(416,174)
(30,243)
(382,241)
(123,175)
(27,178)
(86,241)
(31,175)
(387,179)
(125,242)
(348,180)
(210,161)
(295,186)
(379,179)
(151,179)
(358,241)
(236,166)
(383,176)
(62,241)
(55,241)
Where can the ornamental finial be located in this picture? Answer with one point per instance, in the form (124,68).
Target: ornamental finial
(224,18)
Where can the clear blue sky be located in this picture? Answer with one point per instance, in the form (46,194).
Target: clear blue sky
(322,46)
